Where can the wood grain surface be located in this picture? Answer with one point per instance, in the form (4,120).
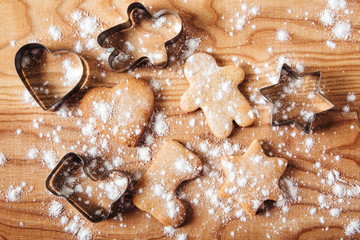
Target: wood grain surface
(335,141)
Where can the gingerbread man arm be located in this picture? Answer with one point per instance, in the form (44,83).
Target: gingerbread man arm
(188,101)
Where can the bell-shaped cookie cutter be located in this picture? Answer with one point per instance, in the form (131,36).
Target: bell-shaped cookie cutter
(54,186)
(130,24)
(286,70)
(19,58)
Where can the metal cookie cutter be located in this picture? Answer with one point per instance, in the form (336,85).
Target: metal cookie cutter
(97,199)
(296,99)
(137,40)
(51,77)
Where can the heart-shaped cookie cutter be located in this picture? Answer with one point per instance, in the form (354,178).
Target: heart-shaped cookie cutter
(19,58)
(130,24)
(72,161)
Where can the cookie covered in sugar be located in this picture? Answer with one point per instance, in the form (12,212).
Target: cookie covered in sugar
(252,178)
(215,90)
(155,192)
(122,112)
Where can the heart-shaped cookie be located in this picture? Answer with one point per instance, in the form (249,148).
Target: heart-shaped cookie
(122,112)
(51,77)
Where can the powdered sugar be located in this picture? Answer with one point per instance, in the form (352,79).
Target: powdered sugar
(327,17)
(103,110)
(72,74)
(50,159)
(342,30)
(55,209)
(283,35)
(55,32)
(84,234)
(33,153)
(160,126)
(2,159)
(352,228)
(144,153)
(14,192)
(88,26)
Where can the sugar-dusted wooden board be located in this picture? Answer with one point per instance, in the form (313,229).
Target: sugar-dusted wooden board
(212,25)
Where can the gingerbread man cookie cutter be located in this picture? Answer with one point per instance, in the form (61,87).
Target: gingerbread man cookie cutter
(122,60)
(61,183)
(30,63)
(299,110)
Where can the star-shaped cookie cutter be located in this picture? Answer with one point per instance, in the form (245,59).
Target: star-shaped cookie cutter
(130,24)
(26,52)
(284,88)
(55,183)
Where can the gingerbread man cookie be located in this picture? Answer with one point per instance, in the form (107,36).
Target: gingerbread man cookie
(155,192)
(215,90)
(252,178)
(122,112)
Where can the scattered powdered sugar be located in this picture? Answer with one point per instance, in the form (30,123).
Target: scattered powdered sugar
(27,98)
(182,165)
(78,47)
(169,231)
(114,189)
(172,209)
(327,17)
(74,226)
(84,234)
(352,228)
(342,30)
(192,44)
(182,236)
(337,4)
(2,159)
(88,26)
(50,159)
(12,43)
(289,188)
(309,142)
(14,193)
(33,153)
(283,35)
(55,209)
(55,32)
(331,44)
(144,153)
(103,110)
(160,126)
(351,97)
(72,74)
(335,212)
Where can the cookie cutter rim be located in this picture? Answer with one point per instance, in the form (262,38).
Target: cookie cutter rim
(129,24)
(60,163)
(308,127)
(81,83)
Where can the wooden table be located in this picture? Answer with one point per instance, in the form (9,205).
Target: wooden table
(212,24)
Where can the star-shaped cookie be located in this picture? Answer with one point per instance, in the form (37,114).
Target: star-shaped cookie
(296,98)
(252,178)
(215,90)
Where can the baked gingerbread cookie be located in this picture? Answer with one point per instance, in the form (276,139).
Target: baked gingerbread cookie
(122,112)
(252,178)
(215,90)
(155,192)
